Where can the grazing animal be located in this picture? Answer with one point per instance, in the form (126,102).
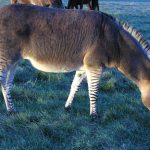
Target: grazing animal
(47,3)
(72,40)
(92,4)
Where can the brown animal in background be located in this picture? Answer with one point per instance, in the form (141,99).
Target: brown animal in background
(47,3)
(83,41)
(92,4)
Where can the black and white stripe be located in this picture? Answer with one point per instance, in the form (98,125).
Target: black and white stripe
(7,76)
(137,35)
(93,77)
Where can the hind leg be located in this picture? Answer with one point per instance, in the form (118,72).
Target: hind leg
(90,6)
(79,76)
(95,5)
(81,5)
(76,6)
(71,4)
(6,85)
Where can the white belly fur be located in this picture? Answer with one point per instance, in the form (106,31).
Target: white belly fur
(48,67)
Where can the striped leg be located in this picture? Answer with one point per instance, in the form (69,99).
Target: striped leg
(6,84)
(93,82)
(79,76)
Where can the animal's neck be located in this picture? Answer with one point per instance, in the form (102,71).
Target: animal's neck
(134,62)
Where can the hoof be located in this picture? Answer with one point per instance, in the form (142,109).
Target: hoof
(11,113)
(94,117)
(67,109)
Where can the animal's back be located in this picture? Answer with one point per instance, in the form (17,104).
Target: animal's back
(55,37)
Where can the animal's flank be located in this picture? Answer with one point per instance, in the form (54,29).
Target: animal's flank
(24,31)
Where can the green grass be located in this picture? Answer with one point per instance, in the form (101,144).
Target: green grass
(42,124)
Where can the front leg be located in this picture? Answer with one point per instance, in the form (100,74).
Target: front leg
(79,76)
(93,76)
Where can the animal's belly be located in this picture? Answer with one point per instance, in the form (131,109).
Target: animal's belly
(50,67)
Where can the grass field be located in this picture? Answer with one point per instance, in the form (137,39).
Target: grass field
(41,122)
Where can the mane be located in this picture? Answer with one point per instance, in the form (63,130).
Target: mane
(136,34)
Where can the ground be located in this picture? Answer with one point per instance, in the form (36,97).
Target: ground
(42,123)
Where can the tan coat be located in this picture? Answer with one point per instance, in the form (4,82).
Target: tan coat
(53,3)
